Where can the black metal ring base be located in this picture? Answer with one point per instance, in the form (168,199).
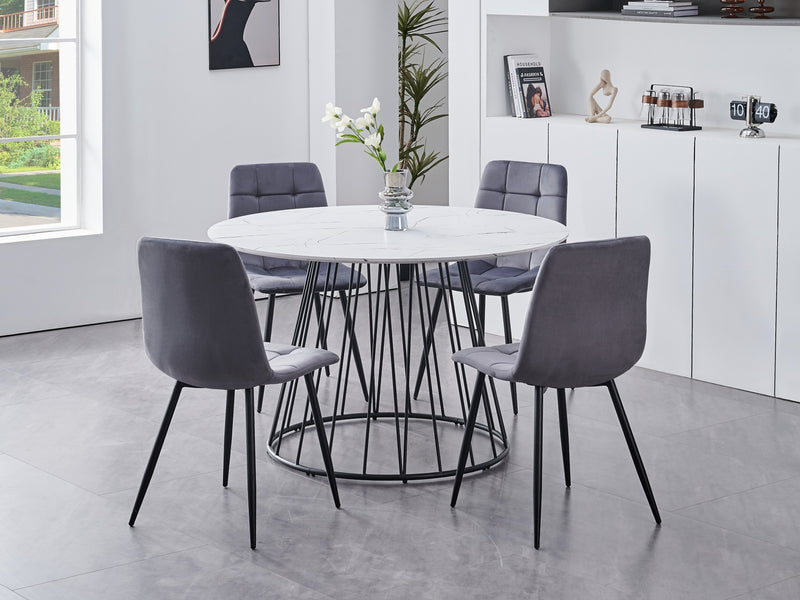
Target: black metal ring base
(295,428)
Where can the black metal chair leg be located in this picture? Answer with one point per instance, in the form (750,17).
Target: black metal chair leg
(634,450)
(267,337)
(563,425)
(159,443)
(323,439)
(251,463)
(423,361)
(474,406)
(323,334)
(509,339)
(348,321)
(226,456)
(482,312)
(537,465)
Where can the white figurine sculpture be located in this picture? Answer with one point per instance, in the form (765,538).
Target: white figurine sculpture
(597,114)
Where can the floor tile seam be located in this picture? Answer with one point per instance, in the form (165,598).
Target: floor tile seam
(727,421)
(748,593)
(739,493)
(246,556)
(26,368)
(643,431)
(672,510)
(155,481)
(55,476)
(746,535)
(107,568)
(641,503)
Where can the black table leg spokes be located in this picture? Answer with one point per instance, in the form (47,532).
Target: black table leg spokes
(389,436)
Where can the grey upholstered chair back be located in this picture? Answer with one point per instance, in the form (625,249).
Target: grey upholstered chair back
(274,186)
(199,317)
(587,321)
(524,187)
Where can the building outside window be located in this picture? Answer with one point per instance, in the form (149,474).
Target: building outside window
(43,82)
(39,137)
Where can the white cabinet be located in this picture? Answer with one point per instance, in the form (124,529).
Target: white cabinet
(589,153)
(787,344)
(724,299)
(509,138)
(736,216)
(655,197)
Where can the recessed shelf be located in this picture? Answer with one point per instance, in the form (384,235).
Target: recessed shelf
(698,20)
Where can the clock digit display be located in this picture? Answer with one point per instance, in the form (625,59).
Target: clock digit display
(738,110)
(763,112)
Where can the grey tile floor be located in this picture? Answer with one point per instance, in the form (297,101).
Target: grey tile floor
(79,409)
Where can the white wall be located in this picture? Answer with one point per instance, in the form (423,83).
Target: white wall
(366,67)
(434,189)
(172,131)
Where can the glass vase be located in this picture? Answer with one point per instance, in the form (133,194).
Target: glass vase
(396,197)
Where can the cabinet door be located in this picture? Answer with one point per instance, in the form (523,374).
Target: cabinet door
(787,347)
(736,215)
(655,197)
(589,153)
(509,138)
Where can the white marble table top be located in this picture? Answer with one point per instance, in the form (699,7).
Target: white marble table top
(355,234)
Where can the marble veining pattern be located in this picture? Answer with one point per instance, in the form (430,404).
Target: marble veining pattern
(356,234)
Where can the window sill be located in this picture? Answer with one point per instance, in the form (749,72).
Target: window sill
(50,234)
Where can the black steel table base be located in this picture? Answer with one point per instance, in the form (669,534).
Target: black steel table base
(401,322)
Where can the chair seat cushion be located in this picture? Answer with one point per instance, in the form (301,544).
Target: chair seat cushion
(495,361)
(488,278)
(290,362)
(291,280)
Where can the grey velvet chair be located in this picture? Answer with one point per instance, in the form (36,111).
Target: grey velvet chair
(280,186)
(201,328)
(586,325)
(524,187)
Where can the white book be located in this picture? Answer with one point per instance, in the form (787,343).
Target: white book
(646,12)
(668,9)
(659,5)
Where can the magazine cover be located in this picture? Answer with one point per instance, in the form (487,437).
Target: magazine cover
(532,86)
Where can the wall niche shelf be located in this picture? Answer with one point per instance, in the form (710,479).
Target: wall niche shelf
(703,19)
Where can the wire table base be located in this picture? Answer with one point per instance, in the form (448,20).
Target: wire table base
(423,437)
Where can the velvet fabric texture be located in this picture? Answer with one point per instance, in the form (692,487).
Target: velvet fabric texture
(529,188)
(200,323)
(266,187)
(587,320)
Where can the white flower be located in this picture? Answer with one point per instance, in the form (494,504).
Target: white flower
(373,140)
(331,113)
(364,121)
(342,123)
(374,109)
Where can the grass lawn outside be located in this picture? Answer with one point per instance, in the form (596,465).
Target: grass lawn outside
(27,197)
(51,181)
(46,180)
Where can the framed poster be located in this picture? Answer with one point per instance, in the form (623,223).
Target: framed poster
(243,33)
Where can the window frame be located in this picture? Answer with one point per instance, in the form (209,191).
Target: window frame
(75,214)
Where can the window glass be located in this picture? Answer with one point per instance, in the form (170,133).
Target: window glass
(38,83)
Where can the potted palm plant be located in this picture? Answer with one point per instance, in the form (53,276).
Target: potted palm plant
(419,24)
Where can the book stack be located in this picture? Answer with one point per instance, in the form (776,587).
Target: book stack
(660,8)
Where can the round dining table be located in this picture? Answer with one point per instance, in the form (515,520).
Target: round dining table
(398,438)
